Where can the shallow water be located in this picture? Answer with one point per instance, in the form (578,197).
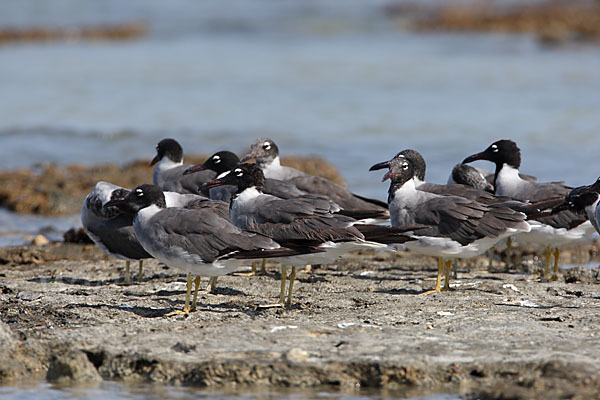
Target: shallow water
(117,391)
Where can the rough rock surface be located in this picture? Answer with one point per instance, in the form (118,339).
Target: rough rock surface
(57,190)
(358,323)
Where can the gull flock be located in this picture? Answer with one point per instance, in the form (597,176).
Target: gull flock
(211,219)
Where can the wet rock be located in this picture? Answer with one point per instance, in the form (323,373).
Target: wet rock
(72,368)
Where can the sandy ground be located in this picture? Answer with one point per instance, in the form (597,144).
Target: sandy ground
(66,315)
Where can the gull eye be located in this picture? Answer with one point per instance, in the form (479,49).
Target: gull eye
(217,159)
(139,192)
(238,172)
(404,166)
(494,148)
(266,145)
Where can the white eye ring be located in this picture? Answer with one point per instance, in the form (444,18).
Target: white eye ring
(139,192)
(494,148)
(266,145)
(404,165)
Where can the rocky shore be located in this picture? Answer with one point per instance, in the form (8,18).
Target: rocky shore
(60,190)
(500,332)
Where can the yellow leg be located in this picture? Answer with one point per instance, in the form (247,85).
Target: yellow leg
(508,251)
(439,278)
(127,273)
(547,265)
(556,257)
(186,308)
(292,277)
(283,279)
(140,267)
(196,287)
(212,284)
(448,269)
(263,267)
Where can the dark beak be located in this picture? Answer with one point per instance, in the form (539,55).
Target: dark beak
(117,202)
(212,184)
(155,160)
(475,157)
(193,169)
(381,165)
(248,156)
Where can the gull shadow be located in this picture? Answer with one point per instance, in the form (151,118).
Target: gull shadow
(79,281)
(146,312)
(375,277)
(402,292)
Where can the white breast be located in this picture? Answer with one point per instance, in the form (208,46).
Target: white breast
(508,182)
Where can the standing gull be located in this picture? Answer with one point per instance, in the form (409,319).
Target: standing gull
(111,227)
(457,227)
(552,231)
(199,240)
(306,221)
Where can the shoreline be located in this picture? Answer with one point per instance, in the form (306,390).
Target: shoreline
(66,316)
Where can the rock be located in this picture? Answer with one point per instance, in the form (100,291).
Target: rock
(296,355)
(72,367)
(7,340)
(28,296)
(40,240)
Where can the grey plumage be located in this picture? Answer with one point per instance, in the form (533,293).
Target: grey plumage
(266,153)
(108,226)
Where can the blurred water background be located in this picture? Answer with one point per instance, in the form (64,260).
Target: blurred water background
(341,80)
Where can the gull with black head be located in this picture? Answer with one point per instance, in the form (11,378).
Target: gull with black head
(169,170)
(552,231)
(200,241)
(457,227)
(111,227)
(301,221)
(584,200)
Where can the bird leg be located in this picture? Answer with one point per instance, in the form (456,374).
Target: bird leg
(263,267)
(439,278)
(448,269)
(491,257)
(196,287)
(212,284)
(556,257)
(508,252)
(283,279)
(140,276)
(292,277)
(186,308)
(548,255)
(127,274)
